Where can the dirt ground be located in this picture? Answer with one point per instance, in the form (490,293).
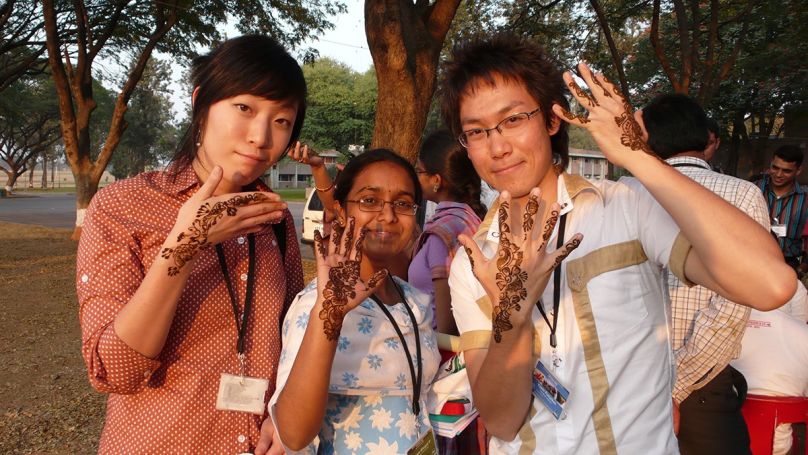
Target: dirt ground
(46,403)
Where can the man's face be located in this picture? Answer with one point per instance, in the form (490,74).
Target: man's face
(783,173)
(519,161)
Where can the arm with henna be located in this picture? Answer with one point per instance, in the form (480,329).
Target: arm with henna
(732,254)
(514,280)
(301,404)
(204,220)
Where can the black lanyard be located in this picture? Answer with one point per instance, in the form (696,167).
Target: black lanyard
(240,327)
(416,379)
(690,165)
(556,288)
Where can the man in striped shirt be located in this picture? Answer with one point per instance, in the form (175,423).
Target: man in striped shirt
(786,200)
(707,329)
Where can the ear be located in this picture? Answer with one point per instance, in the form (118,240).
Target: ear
(555,124)
(194,95)
(339,211)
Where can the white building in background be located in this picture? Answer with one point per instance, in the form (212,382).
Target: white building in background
(590,164)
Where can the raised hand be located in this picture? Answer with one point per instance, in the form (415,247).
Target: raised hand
(206,220)
(303,154)
(339,285)
(609,119)
(515,278)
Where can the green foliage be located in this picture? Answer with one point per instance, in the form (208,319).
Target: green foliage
(28,123)
(341,105)
(150,136)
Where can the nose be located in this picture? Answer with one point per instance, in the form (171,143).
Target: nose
(260,133)
(387,213)
(498,144)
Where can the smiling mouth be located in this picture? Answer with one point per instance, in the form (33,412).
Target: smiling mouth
(254,158)
(506,169)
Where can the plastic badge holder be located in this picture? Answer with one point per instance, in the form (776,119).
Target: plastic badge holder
(549,391)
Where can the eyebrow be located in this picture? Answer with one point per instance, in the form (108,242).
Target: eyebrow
(502,111)
(377,189)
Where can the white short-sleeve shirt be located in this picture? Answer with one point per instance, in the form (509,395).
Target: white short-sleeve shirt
(612,326)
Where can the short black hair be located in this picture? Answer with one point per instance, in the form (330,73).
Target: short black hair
(357,164)
(790,154)
(249,64)
(675,123)
(514,58)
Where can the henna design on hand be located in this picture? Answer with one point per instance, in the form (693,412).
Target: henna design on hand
(319,242)
(197,238)
(597,82)
(377,278)
(549,225)
(581,93)
(510,278)
(571,245)
(531,209)
(338,290)
(337,230)
(471,259)
(570,116)
(631,136)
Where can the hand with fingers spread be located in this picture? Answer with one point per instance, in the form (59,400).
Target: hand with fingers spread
(339,286)
(206,220)
(516,277)
(609,119)
(305,155)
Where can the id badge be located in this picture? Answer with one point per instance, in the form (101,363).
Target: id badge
(779,230)
(426,446)
(549,391)
(243,394)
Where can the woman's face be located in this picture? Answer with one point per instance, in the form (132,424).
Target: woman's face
(425,179)
(388,232)
(244,135)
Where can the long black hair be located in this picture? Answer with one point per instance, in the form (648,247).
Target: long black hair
(441,154)
(250,64)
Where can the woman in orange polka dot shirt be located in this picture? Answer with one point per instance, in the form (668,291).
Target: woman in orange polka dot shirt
(182,276)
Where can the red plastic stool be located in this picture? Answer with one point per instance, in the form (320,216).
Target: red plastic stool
(764,413)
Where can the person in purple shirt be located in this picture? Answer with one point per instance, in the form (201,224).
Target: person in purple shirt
(448,179)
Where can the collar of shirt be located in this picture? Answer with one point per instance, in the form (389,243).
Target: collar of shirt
(689,160)
(767,184)
(569,187)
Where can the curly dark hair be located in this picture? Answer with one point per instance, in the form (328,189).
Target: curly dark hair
(514,58)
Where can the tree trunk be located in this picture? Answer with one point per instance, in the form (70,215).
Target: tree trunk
(86,187)
(405,40)
(32,161)
(44,181)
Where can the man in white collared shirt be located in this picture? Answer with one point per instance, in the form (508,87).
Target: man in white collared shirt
(706,329)
(611,341)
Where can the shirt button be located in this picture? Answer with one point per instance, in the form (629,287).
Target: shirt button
(240,240)
(243,277)
(242,438)
(85,278)
(274,242)
(146,373)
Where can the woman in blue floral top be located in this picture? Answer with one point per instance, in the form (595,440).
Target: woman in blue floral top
(359,352)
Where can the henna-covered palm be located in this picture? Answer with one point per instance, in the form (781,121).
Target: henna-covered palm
(516,276)
(339,284)
(195,238)
(610,118)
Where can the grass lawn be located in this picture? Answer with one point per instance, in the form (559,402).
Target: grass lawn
(292,194)
(46,402)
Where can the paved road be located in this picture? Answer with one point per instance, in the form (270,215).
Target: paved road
(59,210)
